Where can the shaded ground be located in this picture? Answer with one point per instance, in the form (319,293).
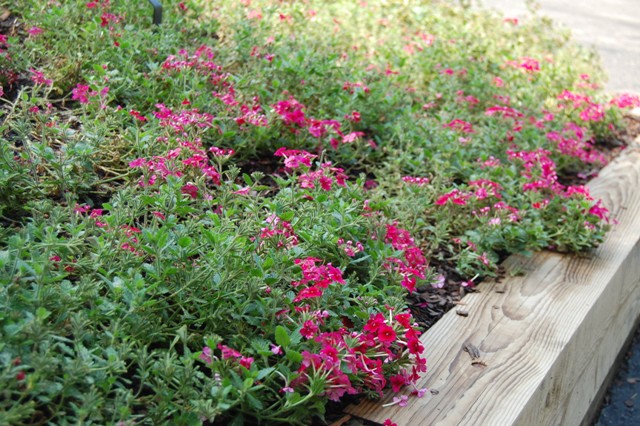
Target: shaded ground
(622,402)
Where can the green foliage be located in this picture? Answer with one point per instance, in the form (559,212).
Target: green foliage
(159,264)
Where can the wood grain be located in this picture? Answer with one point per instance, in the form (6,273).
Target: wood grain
(548,338)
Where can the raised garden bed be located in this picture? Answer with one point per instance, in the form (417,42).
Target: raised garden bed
(547,334)
(252,211)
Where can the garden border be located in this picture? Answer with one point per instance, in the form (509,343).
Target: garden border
(547,338)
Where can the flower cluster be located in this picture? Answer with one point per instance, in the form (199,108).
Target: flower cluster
(350,362)
(280,231)
(413,265)
(315,278)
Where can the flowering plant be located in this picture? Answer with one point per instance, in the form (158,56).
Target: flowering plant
(224,219)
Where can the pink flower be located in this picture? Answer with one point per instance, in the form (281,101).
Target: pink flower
(389,422)
(401,400)
(409,283)
(418,181)
(246,362)
(219,152)
(276,350)
(420,392)
(308,293)
(600,211)
(309,329)
(80,93)
(414,346)
(254,14)
(243,191)
(460,126)
(593,112)
(294,158)
(34,31)
(455,196)
(78,209)
(138,162)
(39,78)
(440,281)
(228,352)
(206,355)
(137,115)
(529,64)
(626,100)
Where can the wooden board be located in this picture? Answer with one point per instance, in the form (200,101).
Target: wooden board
(548,338)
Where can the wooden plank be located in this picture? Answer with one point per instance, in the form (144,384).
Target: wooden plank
(548,338)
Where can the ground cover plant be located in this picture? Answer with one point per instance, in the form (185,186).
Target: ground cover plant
(231,218)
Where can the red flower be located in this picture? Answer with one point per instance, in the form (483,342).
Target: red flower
(246,362)
(386,334)
(398,381)
(374,323)
(309,329)
(190,190)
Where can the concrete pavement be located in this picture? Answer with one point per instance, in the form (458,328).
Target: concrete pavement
(612,26)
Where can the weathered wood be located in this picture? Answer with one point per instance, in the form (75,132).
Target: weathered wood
(548,338)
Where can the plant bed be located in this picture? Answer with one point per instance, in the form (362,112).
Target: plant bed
(547,335)
(257,207)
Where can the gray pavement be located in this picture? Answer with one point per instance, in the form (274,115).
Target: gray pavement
(611,26)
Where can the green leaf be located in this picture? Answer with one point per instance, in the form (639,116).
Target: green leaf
(282,336)
(294,356)
(264,373)
(42,313)
(254,402)
(287,217)
(185,241)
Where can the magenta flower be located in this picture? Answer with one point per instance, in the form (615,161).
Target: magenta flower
(80,93)
(39,78)
(34,31)
(309,329)
(190,190)
(228,352)
(246,362)
(386,334)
